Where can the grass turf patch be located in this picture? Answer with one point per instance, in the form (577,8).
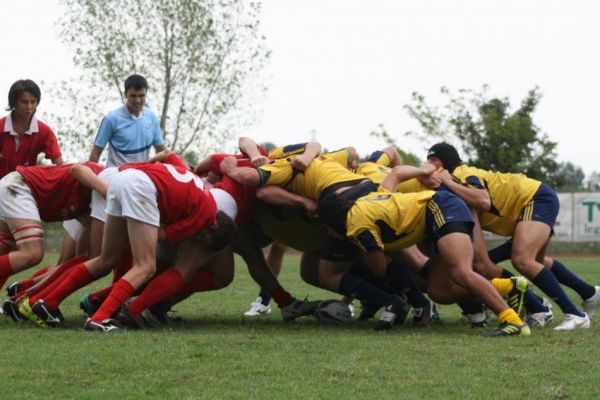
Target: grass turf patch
(216,353)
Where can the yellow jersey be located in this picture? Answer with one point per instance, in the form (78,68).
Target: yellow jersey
(499,225)
(388,221)
(287,151)
(342,156)
(509,193)
(311,183)
(378,170)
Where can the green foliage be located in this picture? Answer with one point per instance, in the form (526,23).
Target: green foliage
(268,146)
(569,178)
(202,59)
(408,158)
(490,134)
(215,354)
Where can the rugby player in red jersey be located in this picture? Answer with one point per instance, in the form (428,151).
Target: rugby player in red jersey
(31,195)
(196,271)
(142,198)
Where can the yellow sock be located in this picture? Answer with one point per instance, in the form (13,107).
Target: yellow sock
(502,285)
(509,316)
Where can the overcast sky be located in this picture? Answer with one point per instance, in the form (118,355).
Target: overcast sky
(340,68)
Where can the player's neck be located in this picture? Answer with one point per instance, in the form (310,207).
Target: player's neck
(20,123)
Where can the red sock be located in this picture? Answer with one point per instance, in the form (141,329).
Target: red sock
(100,295)
(24,285)
(52,281)
(5,269)
(281,297)
(40,271)
(27,283)
(122,290)
(162,287)
(76,278)
(202,282)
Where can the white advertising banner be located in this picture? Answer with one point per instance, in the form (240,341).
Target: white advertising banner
(586,213)
(578,219)
(563,229)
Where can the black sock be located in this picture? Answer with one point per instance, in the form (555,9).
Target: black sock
(548,283)
(424,272)
(471,306)
(357,288)
(565,276)
(265,297)
(402,280)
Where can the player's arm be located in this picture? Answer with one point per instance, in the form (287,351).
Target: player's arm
(95,153)
(311,151)
(250,149)
(204,167)
(161,156)
(405,172)
(160,148)
(477,198)
(88,178)
(58,160)
(244,175)
(278,196)
(395,157)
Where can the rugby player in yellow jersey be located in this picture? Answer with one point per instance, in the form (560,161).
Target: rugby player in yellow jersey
(323,180)
(383,222)
(377,167)
(424,311)
(512,204)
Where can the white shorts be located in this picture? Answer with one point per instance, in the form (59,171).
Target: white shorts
(98,203)
(132,194)
(73,228)
(16,200)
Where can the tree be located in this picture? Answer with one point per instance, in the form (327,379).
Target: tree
(568,178)
(268,146)
(202,58)
(594,182)
(408,158)
(490,135)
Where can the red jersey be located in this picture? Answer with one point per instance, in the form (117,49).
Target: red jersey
(185,204)
(244,196)
(215,161)
(59,196)
(41,140)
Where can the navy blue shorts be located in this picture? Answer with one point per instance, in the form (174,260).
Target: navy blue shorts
(447,213)
(543,207)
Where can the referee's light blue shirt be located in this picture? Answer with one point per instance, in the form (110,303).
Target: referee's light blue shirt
(130,137)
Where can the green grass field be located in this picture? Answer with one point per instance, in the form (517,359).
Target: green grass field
(217,354)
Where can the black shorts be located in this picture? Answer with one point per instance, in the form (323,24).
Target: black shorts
(339,250)
(333,208)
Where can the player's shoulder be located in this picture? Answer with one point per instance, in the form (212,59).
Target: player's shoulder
(150,114)
(44,128)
